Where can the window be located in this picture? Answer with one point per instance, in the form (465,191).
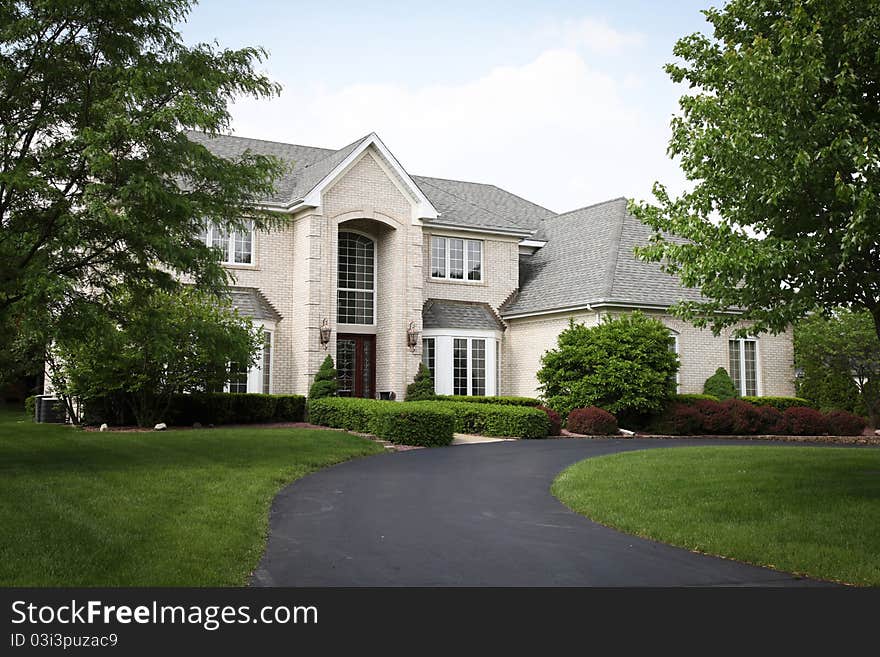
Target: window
(478,367)
(236,247)
(673,347)
(238,378)
(267,362)
(459,366)
(744,365)
(429,356)
(356,292)
(456,259)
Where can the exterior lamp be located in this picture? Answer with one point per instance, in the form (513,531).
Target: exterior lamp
(412,337)
(324,334)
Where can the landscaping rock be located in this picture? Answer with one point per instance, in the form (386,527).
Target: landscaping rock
(160,427)
(877,432)
(103,427)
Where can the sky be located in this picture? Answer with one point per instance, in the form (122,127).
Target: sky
(563,103)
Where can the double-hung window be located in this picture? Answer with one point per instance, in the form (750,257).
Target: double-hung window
(456,259)
(744,365)
(235,247)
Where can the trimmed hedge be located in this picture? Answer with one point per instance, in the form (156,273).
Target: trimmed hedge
(844,423)
(208,408)
(802,421)
(692,398)
(412,423)
(478,399)
(592,421)
(779,403)
(488,419)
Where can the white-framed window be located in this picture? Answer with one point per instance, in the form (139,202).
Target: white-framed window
(429,356)
(468,366)
(743,353)
(356,281)
(257,378)
(235,247)
(456,259)
(674,348)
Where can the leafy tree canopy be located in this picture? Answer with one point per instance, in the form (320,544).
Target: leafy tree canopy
(98,180)
(780,134)
(840,359)
(625,364)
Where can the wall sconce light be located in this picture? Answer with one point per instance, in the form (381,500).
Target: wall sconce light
(412,337)
(324,334)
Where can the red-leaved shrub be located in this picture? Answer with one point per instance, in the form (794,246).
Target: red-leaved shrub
(592,421)
(555,421)
(683,420)
(844,423)
(743,417)
(802,421)
(716,417)
(769,419)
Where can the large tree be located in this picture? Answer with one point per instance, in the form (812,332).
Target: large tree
(780,136)
(98,180)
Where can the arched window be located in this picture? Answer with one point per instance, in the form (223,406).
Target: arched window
(356,282)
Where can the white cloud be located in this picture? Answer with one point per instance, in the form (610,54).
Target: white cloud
(591,34)
(554,130)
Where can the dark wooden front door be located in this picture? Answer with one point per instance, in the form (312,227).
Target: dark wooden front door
(356,365)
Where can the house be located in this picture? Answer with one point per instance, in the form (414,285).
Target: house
(382,270)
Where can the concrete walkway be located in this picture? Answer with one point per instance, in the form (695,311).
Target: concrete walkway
(480,515)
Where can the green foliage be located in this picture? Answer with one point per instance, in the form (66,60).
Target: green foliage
(624,364)
(325,383)
(777,131)
(413,423)
(99,179)
(691,398)
(779,403)
(840,358)
(720,385)
(422,386)
(139,349)
(480,399)
(488,419)
(30,406)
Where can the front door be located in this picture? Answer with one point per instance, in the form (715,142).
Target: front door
(356,365)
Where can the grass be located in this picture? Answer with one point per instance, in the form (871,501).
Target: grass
(178,508)
(811,511)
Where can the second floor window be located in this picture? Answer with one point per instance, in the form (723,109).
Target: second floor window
(456,259)
(236,247)
(356,285)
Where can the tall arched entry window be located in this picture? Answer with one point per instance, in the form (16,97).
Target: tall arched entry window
(356,305)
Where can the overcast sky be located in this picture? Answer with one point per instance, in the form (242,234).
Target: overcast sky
(564,103)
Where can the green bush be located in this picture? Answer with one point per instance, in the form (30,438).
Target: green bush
(325,383)
(624,365)
(30,406)
(692,398)
(479,399)
(422,386)
(414,423)
(779,403)
(488,419)
(720,385)
(290,408)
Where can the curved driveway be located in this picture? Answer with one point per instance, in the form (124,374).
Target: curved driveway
(472,515)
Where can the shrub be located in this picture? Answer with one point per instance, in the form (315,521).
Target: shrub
(325,383)
(779,403)
(414,423)
(592,421)
(554,419)
(802,421)
(680,420)
(716,417)
(769,419)
(422,386)
(290,408)
(692,398)
(744,418)
(720,385)
(498,419)
(624,365)
(30,407)
(844,423)
(478,399)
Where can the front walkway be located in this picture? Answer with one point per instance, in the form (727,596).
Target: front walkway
(477,515)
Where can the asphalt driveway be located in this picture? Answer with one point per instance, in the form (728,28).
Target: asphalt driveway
(474,515)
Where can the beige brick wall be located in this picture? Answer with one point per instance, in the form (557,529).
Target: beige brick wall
(700,353)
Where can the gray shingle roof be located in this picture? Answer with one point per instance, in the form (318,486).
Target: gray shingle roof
(250,302)
(441,314)
(589,259)
(466,204)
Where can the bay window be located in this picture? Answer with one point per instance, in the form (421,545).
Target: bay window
(463,364)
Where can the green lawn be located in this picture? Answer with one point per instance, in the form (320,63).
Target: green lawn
(813,511)
(178,508)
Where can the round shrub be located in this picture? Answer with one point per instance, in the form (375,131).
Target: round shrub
(554,419)
(769,418)
(682,420)
(720,385)
(592,421)
(743,417)
(803,421)
(844,423)
(717,419)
